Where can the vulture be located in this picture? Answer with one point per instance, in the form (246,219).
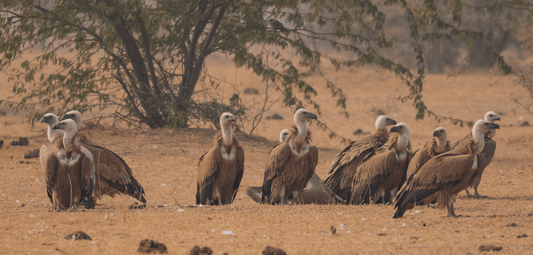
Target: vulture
(436,145)
(113,175)
(485,157)
(345,164)
(291,163)
(315,191)
(445,175)
(50,120)
(380,177)
(220,169)
(69,170)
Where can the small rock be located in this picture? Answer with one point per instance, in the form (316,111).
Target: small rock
(511,224)
(137,206)
(1,143)
(269,250)
(382,234)
(333,230)
(228,233)
(524,124)
(413,237)
(150,246)
(275,116)
(358,132)
(78,235)
(203,251)
(521,236)
(32,154)
(490,247)
(251,91)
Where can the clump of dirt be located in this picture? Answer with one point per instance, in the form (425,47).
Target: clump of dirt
(269,250)
(490,247)
(32,154)
(521,236)
(196,250)
(150,246)
(1,143)
(23,141)
(511,224)
(78,235)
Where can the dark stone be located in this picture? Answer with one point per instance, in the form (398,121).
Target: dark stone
(32,154)
(333,230)
(1,143)
(196,250)
(275,116)
(23,141)
(78,235)
(524,124)
(358,132)
(490,247)
(251,91)
(150,246)
(413,237)
(269,250)
(521,236)
(511,224)
(382,234)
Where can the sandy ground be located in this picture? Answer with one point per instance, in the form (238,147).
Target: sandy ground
(165,162)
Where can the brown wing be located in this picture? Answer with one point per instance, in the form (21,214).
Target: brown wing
(313,161)
(277,159)
(420,157)
(50,166)
(113,175)
(441,172)
(369,176)
(463,140)
(208,169)
(88,176)
(345,163)
(240,170)
(484,159)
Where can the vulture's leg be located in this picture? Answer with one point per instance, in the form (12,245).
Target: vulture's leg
(451,212)
(294,197)
(383,197)
(468,193)
(282,196)
(476,194)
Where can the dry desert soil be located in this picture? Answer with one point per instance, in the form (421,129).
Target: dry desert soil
(165,161)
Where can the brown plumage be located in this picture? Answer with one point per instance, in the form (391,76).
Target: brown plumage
(430,150)
(69,170)
(113,175)
(444,175)
(380,177)
(220,170)
(290,164)
(485,157)
(345,164)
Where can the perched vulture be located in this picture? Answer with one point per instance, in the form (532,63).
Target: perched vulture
(445,175)
(69,170)
(436,145)
(113,175)
(315,192)
(485,157)
(345,164)
(290,164)
(220,170)
(380,177)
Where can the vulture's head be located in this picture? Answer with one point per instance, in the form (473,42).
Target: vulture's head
(66,125)
(383,121)
(226,119)
(492,116)
(483,126)
(401,128)
(283,135)
(302,115)
(73,115)
(440,133)
(50,119)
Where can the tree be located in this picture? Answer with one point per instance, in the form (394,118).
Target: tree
(146,57)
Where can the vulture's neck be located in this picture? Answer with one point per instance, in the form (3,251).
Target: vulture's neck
(50,133)
(491,133)
(441,145)
(479,141)
(302,132)
(67,139)
(227,135)
(402,142)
